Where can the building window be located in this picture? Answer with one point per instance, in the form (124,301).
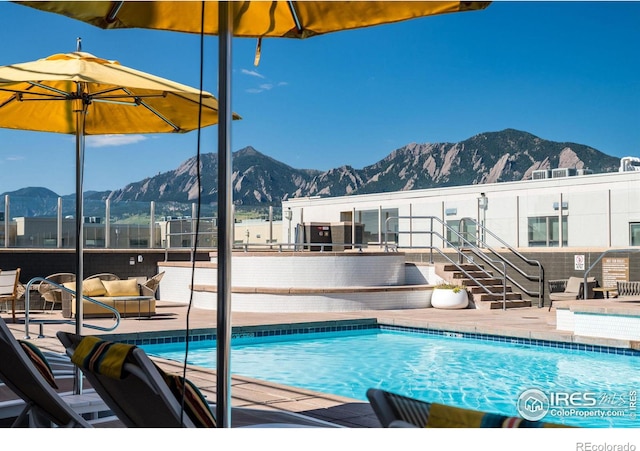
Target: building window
(634,233)
(370,221)
(544,231)
(468,233)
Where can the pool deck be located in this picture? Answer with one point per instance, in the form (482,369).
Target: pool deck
(529,322)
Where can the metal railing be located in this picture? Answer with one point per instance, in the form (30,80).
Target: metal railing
(597,260)
(432,247)
(296,247)
(500,255)
(27,301)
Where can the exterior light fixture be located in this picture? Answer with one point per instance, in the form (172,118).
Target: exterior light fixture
(483,201)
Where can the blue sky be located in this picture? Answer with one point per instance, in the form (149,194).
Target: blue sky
(564,71)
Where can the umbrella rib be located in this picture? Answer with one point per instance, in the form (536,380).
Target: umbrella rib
(295,16)
(167,121)
(19,92)
(50,88)
(139,101)
(127,96)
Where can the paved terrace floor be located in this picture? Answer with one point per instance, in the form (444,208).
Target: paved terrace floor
(531,322)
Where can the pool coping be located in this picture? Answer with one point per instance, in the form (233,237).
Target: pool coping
(285,329)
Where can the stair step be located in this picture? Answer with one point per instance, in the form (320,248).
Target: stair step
(493,288)
(485,282)
(492,305)
(486,297)
(474,274)
(449,267)
(481,298)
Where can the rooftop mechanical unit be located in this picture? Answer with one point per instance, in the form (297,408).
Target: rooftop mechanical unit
(541,174)
(562,172)
(629,164)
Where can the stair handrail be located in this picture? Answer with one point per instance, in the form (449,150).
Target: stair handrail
(431,247)
(588,270)
(539,278)
(116,313)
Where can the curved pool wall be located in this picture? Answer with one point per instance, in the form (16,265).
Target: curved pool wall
(305,282)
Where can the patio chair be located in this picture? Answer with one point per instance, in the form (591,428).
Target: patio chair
(143,395)
(103,276)
(571,289)
(149,287)
(9,289)
(25,370)
(51,293)
(397,411)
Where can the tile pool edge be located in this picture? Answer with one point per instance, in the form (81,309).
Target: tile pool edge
(274,330)
(514,340)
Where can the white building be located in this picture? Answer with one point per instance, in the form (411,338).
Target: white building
(586,210)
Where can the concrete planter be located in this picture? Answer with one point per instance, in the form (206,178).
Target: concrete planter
(446,298)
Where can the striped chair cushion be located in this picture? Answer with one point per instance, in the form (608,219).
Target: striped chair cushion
(101,356)
(195,405)
(433,415)
(39,361)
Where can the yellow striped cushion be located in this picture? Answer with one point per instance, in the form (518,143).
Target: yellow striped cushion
(101,357)
(443,416)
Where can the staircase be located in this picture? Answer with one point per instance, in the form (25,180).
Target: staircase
(482,300)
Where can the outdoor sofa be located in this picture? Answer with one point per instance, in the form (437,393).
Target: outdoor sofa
(126,296)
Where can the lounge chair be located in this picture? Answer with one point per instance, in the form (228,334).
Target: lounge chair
(571,289)
(142,395)
(9,284)
(25,370)
(397,411)
(627,289)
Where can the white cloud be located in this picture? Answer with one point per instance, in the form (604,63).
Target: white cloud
(266,86)
(15,158)
(253,73)
(113,140)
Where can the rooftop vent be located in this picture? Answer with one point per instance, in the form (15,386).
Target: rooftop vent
(629,164)
(541,174)
(562,172)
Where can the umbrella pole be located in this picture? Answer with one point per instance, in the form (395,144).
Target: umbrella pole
(225,219)
(80,121)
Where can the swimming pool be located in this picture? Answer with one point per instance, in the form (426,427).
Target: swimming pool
(586,388)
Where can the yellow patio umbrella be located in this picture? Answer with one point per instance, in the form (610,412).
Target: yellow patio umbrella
(257,19)
(80,94)
(45,95)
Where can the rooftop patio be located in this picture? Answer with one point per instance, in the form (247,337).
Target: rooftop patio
(533,322)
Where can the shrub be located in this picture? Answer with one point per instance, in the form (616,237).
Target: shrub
(448,286)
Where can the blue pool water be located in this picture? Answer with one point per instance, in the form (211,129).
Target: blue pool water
(464,372)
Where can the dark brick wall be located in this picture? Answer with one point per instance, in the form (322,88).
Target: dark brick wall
(41,263)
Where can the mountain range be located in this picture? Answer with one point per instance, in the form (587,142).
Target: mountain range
(261,181)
